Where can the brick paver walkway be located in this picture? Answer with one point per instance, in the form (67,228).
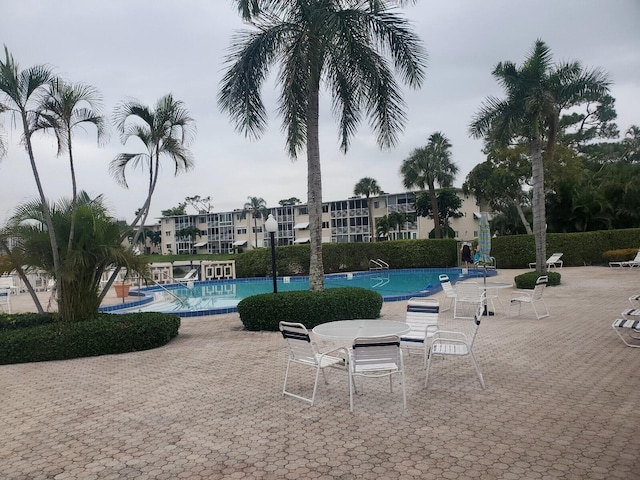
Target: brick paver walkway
(562,401)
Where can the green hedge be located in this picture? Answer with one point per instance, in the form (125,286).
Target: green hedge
(528,280)
(106,334)
(578,249)
(265,311)
(349,257)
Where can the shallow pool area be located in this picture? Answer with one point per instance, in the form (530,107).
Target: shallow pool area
(223,296)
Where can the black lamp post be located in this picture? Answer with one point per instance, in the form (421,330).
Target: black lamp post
(272,226)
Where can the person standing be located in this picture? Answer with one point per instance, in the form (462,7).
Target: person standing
(466,254)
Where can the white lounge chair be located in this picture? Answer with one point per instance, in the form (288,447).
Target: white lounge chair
(422,317)
(447,342)
(552,262)
(628,327)
(376,357)
(303,352)
(634,300)
(628,263)
(189,277)
(532,297)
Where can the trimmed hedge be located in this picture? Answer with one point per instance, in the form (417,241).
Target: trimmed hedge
(265,311)
(620,255)
(349,257)
(28,341)
(528,280)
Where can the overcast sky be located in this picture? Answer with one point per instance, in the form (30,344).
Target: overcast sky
(147,48)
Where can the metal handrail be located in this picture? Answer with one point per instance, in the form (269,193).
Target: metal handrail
(378,264)
(169,291)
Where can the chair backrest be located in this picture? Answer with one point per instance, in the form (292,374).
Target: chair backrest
(376,352)
(447,288)
(538,290)
(554,258)
(422,312)
(637,259)
(298,341)
(468,291)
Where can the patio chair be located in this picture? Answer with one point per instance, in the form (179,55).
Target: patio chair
(5,299)
(628,327)
(628,263)
(189,277)
(7,281)
(303,352)
(552,262)
(447,342)
(376,357)
(468,296)
(448,290)
(422,317)
(634,300)
(532,297)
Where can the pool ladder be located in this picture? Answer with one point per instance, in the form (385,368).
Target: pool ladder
(378,264)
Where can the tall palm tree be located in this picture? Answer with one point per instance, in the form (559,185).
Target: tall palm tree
(341,44)
(166,131)
(536,94)
(396,220)
(427,166)
(22,91)
(368,186)
(257,207)
(66,107)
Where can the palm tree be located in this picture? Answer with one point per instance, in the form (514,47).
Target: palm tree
(97,247)
(367,186)
(536,94)
(339,43)
(22,91)
(427,166)
(167,130)
(66,107)
(257,207)
(396,220)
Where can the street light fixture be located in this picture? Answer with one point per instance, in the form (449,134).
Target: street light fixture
(271,226)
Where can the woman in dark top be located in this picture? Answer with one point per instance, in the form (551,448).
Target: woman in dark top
(466,254)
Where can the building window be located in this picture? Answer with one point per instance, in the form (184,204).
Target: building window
(325,225)
(303,211)
(241,231)
(257,229)
(167,233)
(475,233)
(168,246)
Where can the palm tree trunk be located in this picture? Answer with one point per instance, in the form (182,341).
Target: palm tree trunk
(45,205)
(74,193)
(539,223)
(527,227)
(24,279)
(314,190)
(435,211)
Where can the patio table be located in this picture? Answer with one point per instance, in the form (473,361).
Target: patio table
(491,292)
(348,330)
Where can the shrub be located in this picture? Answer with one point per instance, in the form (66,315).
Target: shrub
(528,280)
(25,320)
(620,255)
(265,311)
(102,335)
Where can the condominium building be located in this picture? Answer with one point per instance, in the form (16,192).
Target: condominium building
(342,221)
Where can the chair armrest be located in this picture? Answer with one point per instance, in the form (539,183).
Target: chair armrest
(449,336)
(521,293)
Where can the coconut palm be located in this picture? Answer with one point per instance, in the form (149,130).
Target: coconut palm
(427,166)
(536,94)
(97,246)
(66,107)
(166,131)
(368,186)
(340,44)
(396,220)
(257,207)
(22,91)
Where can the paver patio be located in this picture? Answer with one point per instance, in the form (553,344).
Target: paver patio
(562,401)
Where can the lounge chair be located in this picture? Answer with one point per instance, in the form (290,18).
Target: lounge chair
(628,327)
(552,262)
(628,263)
(448,290)
(634,300)
(189,277)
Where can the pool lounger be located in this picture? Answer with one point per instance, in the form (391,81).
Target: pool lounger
(628,327)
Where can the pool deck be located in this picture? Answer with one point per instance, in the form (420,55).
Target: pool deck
(562,400)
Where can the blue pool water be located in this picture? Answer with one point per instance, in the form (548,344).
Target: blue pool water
(222,296)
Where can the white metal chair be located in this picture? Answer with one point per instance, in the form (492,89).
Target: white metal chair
(446,342)
(303,352)
(448,290)
(552,262)
(376,357)
(468,297)
(5,299)
(422,317)
(532,297)
(628,327)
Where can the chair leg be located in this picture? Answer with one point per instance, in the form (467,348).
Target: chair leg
(426,377)
(315,384)
(286,376)
(475,364)
(404,390)
(351,389)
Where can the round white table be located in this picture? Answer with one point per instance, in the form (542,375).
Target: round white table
(487,287)
(350,329)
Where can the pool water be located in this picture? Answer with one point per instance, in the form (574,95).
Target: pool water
(211,297)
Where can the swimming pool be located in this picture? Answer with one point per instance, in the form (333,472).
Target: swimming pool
(222,296)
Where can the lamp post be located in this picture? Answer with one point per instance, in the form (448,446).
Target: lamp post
(272,226)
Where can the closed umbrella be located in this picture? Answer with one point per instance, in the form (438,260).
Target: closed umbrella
(484,242)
